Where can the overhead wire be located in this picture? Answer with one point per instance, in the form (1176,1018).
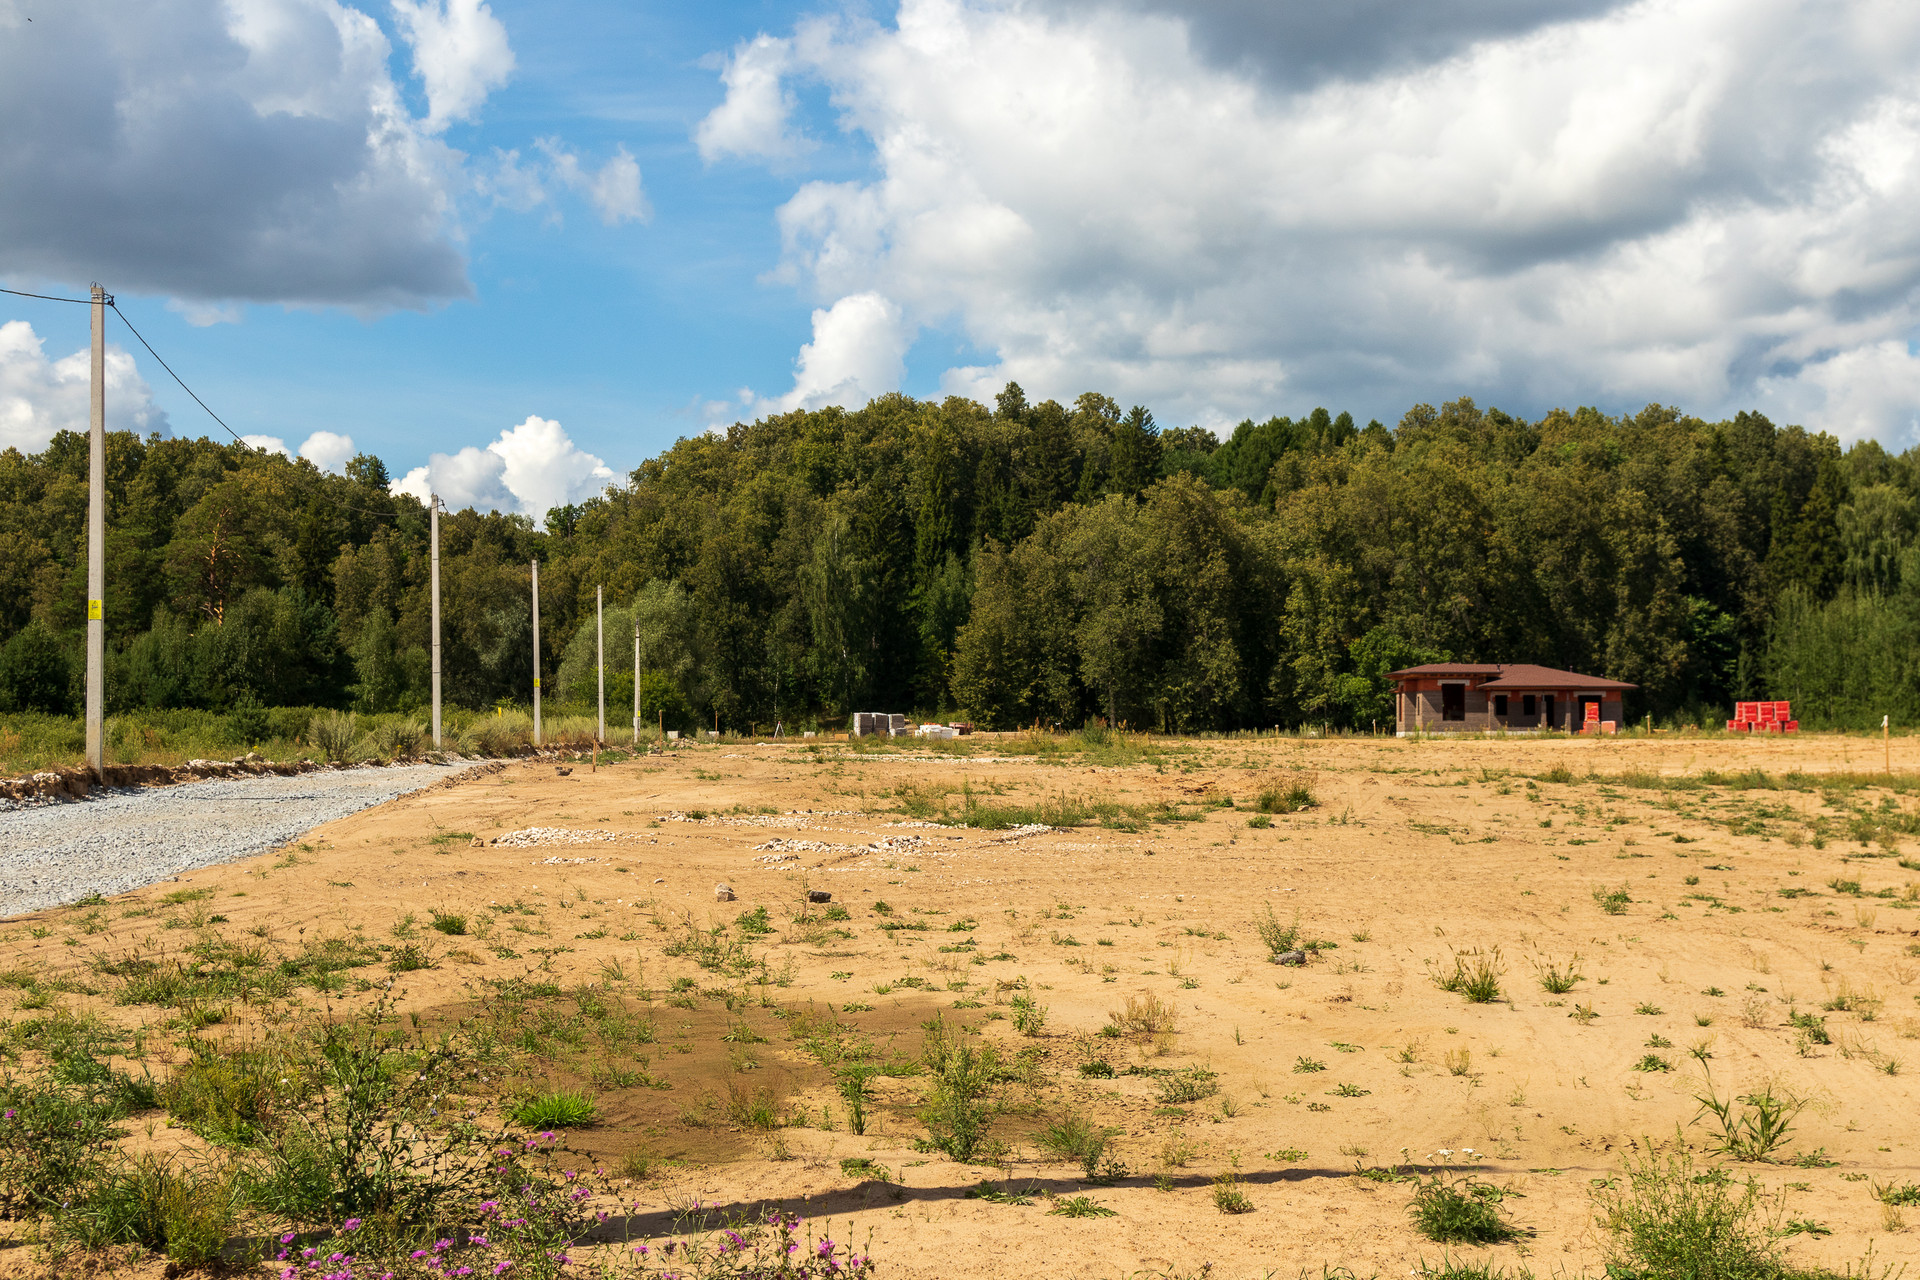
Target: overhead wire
(110,302)
(47,297)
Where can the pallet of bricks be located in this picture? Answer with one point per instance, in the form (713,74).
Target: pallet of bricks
(1763,717)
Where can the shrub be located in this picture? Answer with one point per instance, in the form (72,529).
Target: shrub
(1189,1084)
(247,720)
(395,738)
(408,958)
(368,1144)
(957,1114)
(852,1083)
(331,735)
(1146,1015)
(1276,937)
(1670,1220)
(1452,1209)
(54,1140)
(185,1213)
(1029,1017)
(229,1094)
(561,1109)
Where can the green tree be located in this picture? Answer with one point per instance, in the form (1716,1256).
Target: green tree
(35,672)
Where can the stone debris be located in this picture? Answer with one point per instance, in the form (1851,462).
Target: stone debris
(534,836)
(885,844)
(793,819)
(819,895)
(722,893)
(561,862)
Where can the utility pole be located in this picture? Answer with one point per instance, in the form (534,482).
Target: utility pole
(636,678)
(433,522)
(536,653)
(600,659)
(97,545)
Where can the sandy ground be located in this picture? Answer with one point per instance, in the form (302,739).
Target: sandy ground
(1414,850)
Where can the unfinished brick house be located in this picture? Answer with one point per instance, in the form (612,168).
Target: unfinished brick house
(1475,697)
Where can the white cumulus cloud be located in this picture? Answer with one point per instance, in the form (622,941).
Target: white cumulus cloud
(328,450)
(268,444)
(1219,210)
(39,397)
(753,121)
(460,53)
(858,352)
(530,469)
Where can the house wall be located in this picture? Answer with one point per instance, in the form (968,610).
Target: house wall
(1420,706)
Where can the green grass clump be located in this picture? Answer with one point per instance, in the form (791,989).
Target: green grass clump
(1475,975)
(1455,1210)
(1557,979)
(1075,1139)
(1228,1197)
(453,926)
(1079,1207)
(1613,901)
(561,1109)
(1290,796)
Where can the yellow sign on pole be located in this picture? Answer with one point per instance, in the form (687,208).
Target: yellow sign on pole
(93,611)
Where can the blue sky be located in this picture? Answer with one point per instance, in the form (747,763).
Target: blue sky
(523,247)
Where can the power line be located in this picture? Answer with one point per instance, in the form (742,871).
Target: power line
(114,304)
(321,494)
(47,297)
(170,373)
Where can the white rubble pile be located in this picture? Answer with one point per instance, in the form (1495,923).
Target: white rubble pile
(885,844)
(794,820)
(536,836)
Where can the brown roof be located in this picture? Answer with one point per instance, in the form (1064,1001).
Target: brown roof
(1513,675)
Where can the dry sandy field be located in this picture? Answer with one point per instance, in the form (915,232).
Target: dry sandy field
(1737,916)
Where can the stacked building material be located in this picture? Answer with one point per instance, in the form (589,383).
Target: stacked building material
(1763,717)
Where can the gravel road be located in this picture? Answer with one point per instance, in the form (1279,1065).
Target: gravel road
(116,841)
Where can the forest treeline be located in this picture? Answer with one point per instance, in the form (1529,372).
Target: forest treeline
(1015,563)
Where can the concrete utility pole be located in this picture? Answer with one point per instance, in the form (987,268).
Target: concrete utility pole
(600,657)
(536,653)
(636,679)
(433,520)
(97,544)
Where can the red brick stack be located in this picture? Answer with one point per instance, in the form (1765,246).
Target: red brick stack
(1763,717)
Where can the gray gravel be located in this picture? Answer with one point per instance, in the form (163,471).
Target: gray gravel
(119,840)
